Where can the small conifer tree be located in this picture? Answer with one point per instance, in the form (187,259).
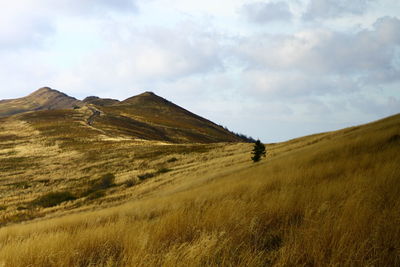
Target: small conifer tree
(258,151)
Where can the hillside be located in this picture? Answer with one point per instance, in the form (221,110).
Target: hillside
(331,199)
(162,120)
(145,116)
(43,99)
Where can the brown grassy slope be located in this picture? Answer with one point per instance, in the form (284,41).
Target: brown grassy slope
(170,120)
(42,99)
(327,200)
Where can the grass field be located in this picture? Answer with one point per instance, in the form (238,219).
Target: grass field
(330,199)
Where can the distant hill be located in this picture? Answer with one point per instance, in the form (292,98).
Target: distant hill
(95,100)
(146,116)
(43,99)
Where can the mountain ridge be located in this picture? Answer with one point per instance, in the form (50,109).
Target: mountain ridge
(145,116)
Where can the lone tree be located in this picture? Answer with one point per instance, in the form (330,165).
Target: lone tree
(258,151)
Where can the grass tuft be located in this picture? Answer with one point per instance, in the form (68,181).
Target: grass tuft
(145,176)
(53,199)
(148,175)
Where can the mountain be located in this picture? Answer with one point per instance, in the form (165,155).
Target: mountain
(166,121)
(43,99)
(146,116)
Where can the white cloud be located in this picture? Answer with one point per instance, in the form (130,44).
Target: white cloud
(27,23)
(325,9)
(323,73)
(19,27)
(296,85)
(324,51)
(261,12)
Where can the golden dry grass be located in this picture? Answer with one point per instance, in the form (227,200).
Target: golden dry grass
(41,153)
(331,199)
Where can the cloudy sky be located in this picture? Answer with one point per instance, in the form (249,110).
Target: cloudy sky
(274,70)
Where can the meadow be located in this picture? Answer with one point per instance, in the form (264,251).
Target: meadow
(330,199)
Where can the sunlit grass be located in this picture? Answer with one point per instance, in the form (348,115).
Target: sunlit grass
(326,200)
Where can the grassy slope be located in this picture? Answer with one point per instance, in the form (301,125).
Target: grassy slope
(159,112)
(327,199)
(160,119)
(51,151)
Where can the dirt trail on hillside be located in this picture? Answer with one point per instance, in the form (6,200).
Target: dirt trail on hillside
(95,113)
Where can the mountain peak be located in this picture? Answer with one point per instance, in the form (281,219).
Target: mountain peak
(148,93)
(42,99)
(44,90)
(148,97)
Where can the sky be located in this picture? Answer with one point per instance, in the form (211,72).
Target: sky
(273,70)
